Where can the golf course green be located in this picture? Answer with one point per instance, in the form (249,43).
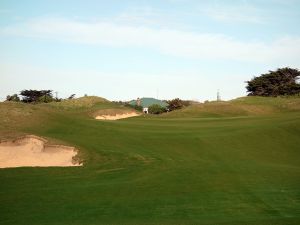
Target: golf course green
(235,162)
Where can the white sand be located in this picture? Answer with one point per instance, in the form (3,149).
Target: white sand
(32,151)
(117,116)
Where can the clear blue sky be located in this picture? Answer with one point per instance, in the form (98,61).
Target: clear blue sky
(124,49)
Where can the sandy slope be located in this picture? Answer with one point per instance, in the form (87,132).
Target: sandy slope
(33,151)
(117,116)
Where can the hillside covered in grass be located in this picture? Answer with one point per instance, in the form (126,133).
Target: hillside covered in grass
(15,117)
(245,106)
(235,162)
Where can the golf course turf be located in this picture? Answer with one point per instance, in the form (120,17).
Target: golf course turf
(218,163)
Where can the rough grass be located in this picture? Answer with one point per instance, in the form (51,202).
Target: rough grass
(229,169)
(15,116)
(83,102)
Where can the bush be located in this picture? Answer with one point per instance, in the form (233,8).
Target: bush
(136,107)
(177,104)
(13,98)
(36,96)
(46,99)
(156,109)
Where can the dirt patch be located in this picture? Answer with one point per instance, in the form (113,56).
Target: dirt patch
(33,151)
(117,116)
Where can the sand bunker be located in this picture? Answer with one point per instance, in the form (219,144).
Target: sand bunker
(31,151)
(117,116)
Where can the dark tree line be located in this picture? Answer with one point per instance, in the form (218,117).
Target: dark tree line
(30,96)
(283,81)
(33,96)
(173,104)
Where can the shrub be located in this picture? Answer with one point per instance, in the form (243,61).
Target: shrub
(13,98)
(156,109)
(136,107)
(35,96)
(177,104)
(46,99)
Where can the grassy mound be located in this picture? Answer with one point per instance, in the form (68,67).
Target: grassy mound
(246,106)
(83,102)
(15,117)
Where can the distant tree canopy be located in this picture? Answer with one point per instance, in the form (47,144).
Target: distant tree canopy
(177,104)
(13,98)
(283,81)
(35,96)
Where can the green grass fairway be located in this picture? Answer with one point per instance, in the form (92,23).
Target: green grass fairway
(219,163)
